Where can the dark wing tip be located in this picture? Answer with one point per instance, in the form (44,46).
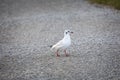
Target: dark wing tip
(51,46)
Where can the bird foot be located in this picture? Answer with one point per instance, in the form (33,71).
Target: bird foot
(66,55)
(58,55)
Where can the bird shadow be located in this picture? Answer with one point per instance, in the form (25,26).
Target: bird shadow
(64,56)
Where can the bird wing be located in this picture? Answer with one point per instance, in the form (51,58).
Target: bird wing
(57,45)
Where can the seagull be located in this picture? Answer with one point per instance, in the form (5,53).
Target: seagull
(62,44)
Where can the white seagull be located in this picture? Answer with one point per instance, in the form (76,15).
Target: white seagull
(63,44)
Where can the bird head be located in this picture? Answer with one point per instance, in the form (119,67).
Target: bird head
(67,32)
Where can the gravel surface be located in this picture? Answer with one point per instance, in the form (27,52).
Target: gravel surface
(29,27)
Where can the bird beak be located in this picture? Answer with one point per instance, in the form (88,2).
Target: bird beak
(72,32)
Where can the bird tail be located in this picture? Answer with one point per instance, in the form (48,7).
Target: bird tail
(52,48)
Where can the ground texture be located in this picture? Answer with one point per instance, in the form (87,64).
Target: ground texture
(29,27)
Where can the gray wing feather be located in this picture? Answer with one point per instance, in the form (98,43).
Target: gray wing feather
(57,45)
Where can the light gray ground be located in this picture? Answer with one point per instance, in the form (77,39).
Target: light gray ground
(29,27)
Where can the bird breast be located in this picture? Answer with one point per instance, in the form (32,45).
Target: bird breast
(67,42)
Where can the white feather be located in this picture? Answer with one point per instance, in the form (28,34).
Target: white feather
(64,43)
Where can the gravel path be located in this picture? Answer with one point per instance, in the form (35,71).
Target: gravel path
(29,27)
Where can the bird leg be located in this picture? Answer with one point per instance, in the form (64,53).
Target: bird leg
(66,53)
(57,54)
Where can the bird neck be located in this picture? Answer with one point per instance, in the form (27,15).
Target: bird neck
(67,36)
